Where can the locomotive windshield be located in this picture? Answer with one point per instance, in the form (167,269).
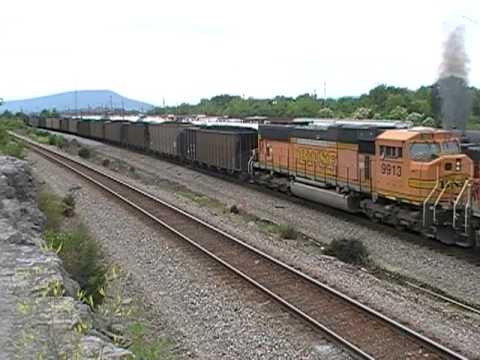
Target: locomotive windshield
(450,147)
(424,151)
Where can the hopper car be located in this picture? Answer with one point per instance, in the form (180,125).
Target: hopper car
(412,178)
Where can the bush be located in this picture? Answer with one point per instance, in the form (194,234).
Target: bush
(288,232)
(234,209)
(69,205)
(13,148)
(82,260)
(84,153)
(106,162)
(351,251)
(56,140)
(52,139)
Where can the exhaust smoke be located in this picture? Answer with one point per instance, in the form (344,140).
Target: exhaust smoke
(452,86)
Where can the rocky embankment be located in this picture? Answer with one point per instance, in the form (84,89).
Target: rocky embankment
(40,318)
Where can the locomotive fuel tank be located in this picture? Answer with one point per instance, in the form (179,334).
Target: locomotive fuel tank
(331,198)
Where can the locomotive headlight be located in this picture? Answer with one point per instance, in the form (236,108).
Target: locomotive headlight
(458,165)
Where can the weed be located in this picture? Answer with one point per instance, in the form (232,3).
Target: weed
(52,206)
(106,162)
(82,259)
(287,232)
(201,200)
(84,153)
(69,205)
(13,148)
(144,349)
(351,251)
(234,209)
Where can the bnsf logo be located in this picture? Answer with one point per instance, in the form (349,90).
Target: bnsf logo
(324,158)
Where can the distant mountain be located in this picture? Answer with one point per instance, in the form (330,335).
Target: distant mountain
(81,100)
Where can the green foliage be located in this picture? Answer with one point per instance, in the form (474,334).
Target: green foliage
(56,140)
(8,145)
(84,153)
(399,113)
(46,113)
(13,148)
(429,121)
(53,207)
(82,259)
(325,113)
(350,251)
(68,205)
(144,349)
(288,232)
(381,102)
(415,118)
(363,113)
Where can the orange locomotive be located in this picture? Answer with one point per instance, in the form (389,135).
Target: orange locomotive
(411,178)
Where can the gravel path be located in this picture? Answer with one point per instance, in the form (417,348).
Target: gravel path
(213,315)
(389,250)
(459,330)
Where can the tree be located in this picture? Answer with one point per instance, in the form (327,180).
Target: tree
(363,113)
(325,113)
(415,118)
(399,113)
(429,121)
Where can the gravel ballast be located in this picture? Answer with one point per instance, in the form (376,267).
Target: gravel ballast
(438,320)
(212,315)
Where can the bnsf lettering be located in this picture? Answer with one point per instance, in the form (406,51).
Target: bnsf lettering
(391,170)
(321,157)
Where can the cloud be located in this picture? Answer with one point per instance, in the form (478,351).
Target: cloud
(186,50)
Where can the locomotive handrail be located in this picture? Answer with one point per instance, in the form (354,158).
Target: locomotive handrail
(438,200)
(468,205)
(457,200)
(428,199)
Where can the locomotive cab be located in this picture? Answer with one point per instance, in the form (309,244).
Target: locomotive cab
(425,168)
(412,163)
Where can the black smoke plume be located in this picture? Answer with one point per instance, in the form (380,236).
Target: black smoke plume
(452,87)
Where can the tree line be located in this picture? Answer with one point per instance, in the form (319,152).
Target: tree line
(382,102)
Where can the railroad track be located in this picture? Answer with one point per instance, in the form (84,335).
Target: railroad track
(364,332)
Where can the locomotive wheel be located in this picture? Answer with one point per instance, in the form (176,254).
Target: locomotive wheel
(446,235)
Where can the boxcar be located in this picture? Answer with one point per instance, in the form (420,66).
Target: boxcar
(83,128)
(115,132)
(55,123)
(42,123)
(34,122)
(167,139)
(137,135)
(49,123)
(97,129)
(225,148)
(64,124)
(73,126)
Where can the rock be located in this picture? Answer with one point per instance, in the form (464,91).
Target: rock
(39,316)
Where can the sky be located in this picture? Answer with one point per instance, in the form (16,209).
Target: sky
(185,50)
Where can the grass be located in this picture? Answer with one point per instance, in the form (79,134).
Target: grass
(8,146)
(145,349)
(81,258)
(53,208)
(201,200)
(80,253)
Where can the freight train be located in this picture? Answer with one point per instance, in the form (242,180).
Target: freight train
(415,179)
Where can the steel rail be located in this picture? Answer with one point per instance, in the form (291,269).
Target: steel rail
(62,159)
